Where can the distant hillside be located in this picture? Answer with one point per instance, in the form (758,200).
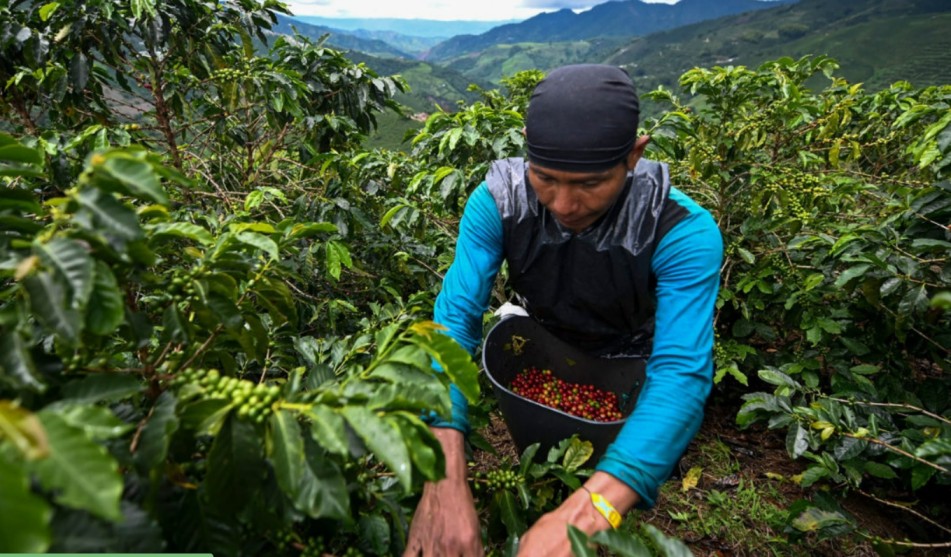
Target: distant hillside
(338,38)
(410,44)
(496,62)
(430,28)
(628,18)
(876,42)
(430,86)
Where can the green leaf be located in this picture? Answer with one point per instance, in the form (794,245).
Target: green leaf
(17,363)
(253,199)
(913,301)
(621,543)
(941,300)
(285,449)
(746,256)
(206,416)
(890,286)
(236,468)
(814,519)
(383,440)
(391,213)
(797,441)
(47,10)
(262,227)
(829,325)
(227,313)
(528,455)
(338,256)
(935,447)
(79,71)
(106,309)
(509,512)
(99,423)
(577,454)
(260,242)
(851,273)
(921,474)
(174,325)
(18,199)
(812,281)
(182,230)
(112,215)
(328,429)
(20,154)
(140,7)
(666,546)
(580,544)
(156,435)
(280,302)
(374,534)
(813,474)
(426,450)
(79,471)
(452,358)
(136,175)
(24,517)
(102,387)
(306,230)
(865,369)
(880,470)
(23,429)
(776,377)
(331,499)
(48,303)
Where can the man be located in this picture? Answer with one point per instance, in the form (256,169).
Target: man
(605,254)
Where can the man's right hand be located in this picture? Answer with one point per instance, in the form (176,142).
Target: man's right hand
(445,522)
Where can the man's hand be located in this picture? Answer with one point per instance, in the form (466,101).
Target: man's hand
(549,536)
(445,522)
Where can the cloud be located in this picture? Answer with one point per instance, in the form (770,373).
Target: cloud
(304,3)
(558,4)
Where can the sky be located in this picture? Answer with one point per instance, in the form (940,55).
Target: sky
(484,10)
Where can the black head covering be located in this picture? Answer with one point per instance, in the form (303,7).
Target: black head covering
(582,118)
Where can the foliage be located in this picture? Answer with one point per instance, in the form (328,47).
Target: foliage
(186,78)
(172,350)
(832,205)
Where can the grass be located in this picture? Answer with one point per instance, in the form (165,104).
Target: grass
(718,505)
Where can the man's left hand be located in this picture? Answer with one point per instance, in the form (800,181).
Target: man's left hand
(549,536)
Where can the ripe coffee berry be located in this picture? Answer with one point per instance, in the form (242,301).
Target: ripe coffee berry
(581,400)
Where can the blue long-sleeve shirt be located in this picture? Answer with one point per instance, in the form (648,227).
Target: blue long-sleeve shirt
(669,411)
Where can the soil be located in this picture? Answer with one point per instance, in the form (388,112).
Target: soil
(758,456)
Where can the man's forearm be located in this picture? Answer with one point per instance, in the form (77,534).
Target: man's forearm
(454,449)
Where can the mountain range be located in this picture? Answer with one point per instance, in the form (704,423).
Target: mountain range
(877,42)
(630,18)
(441,40)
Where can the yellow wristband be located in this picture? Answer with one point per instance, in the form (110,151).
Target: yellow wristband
(604,507)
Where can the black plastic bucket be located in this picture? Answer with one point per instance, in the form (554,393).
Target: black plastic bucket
(517,343)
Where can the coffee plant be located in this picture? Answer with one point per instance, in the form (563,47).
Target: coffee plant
(834,207)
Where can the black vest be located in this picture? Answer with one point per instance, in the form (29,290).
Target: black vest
(594,289)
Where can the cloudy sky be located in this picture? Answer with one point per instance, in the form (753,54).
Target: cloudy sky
(492,10)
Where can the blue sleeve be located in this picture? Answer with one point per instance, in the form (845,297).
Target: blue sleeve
(466,288)
(680,369)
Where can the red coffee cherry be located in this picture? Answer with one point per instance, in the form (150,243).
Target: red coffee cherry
(578,399)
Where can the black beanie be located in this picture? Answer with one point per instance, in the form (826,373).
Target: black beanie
(582,118)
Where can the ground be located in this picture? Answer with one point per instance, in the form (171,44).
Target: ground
(731,492)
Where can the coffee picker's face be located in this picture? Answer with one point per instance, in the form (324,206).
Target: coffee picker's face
(577,199)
